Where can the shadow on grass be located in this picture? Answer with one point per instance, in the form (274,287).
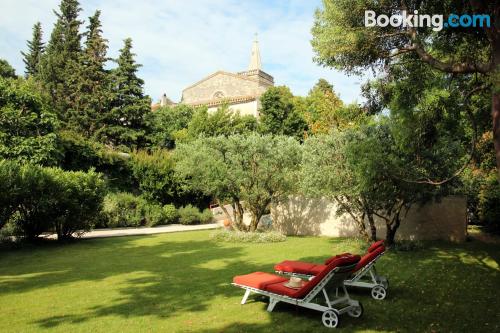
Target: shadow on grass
(445,287)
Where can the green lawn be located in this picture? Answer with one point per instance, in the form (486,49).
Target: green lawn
(181,283)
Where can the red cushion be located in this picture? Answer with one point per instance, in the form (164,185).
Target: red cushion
(317,269)
(258,280)
(329,260)
(294,266)
(341,261)
(368,257)
(280,289)
(375,245)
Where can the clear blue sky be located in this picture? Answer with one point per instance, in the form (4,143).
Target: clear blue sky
(180,42)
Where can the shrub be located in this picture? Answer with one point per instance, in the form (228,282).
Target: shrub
(127,210)
(192,215)
(155,174)
(170,214)
(26,124)
(223,235)
(489,203)
(82,154)
(79,200)
(37,199)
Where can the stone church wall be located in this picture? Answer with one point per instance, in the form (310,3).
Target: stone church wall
(248,108)
(229,85)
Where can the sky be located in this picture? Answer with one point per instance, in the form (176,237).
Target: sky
(179,42)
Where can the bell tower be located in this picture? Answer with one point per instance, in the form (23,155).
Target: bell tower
(255,67)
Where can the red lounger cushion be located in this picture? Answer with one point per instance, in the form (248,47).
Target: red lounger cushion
(299,267)
(258,280)
(329,260)
(279,288)
(368,257)
(375,245)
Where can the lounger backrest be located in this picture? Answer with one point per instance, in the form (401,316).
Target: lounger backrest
(346,265)
(368,257)
(329,260)
(375,245)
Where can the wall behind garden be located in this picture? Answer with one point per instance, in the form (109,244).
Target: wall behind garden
(444,220)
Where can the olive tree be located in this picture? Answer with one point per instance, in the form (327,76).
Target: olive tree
(363,170)
(248,172)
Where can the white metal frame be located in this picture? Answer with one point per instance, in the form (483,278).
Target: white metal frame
(366,277)
(350,306)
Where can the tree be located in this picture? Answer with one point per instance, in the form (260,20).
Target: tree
(92,83)
(249,171)
(278,114)
(59,68)
(164,124)
(123,125)
(221,122)
(6,70)
(35,51)
(26,125)
(363,170)
(341,40)
(326,111)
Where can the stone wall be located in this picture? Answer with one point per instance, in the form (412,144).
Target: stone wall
(247,108)
(231,85)
(444,220)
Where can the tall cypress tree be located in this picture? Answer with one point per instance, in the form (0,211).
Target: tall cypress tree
(35,51)
(93,83)
(124,122)
(59,65)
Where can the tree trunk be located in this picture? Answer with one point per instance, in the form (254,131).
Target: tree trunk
(373,228)
(255,222)
(495,100)
(495,114)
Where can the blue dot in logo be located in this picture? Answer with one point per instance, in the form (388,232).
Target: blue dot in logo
(445,24)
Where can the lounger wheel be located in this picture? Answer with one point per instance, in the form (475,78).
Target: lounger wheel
(379,292)
(330,318)
(356,311)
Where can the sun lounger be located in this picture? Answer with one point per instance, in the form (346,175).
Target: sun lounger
(330,278)
(365,275)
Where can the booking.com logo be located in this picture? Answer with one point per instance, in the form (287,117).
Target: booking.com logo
(436,22)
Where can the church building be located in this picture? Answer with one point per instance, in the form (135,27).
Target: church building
(240,91)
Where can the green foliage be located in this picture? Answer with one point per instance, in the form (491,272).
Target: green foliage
(489,202)
(365,171)
(6,70)
(164,123)
(39,199)
(35,51)
(192,215)
(432,70)
(341,40)
(221,122)
(255,169)
(93,82)
(26,124)
(170,214)
(123,126)
(80,153)
(127,210)
(323,109)
(154,172)
(59,66)
(229,236)
(278,114)
(79,198)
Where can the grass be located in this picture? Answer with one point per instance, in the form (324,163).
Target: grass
(181,283)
